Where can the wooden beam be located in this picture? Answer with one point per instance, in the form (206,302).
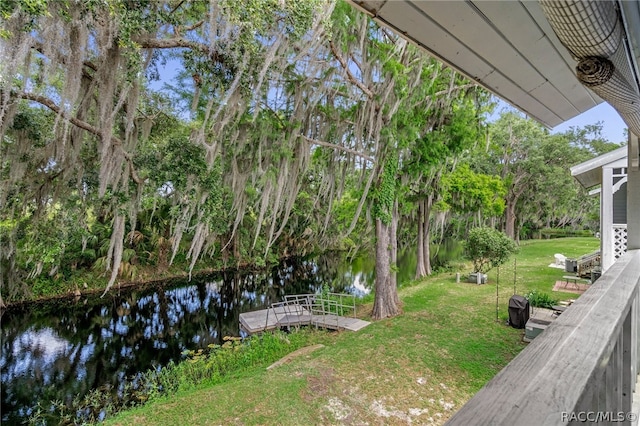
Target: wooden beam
(633,196)
(606,218)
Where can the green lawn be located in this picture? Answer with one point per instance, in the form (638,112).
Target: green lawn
(419,367)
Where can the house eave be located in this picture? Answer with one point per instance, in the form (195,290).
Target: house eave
(507,47)
(589,172)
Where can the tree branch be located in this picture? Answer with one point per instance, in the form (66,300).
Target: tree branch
(390,35)
(339,148)
(170,43)
(55,108)
(350,75)
(355,61)
(192,27)
(39,47)
(177,6)
(455,89)
(81,124)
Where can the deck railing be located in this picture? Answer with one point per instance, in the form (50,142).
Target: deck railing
(583,366)
(619,240)
(588,264)
(312,309)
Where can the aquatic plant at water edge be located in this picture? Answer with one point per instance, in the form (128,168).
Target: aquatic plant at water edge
(211,365)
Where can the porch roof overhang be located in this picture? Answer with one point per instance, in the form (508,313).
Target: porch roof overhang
(508,47)
(589,173)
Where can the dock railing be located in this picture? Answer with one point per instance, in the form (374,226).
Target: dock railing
(293,311)
(329,307)
(583,366)
(335,311)
(323,309)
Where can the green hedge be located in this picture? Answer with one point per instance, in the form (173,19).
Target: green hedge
(561,232)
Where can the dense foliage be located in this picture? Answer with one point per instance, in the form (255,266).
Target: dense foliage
(143,139)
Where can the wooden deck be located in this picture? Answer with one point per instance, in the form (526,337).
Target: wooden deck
(308,310)
(275,317)
(335,322)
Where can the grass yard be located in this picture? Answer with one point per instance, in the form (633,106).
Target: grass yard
(418,368)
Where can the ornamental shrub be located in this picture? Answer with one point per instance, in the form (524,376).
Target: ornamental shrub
(540,300)
(488,248)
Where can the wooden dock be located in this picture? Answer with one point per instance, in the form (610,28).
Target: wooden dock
(299,310)
(336,322)
(274,317)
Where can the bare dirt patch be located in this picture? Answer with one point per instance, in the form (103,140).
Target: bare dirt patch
(318,385)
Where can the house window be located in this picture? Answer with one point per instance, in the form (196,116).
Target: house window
(620,205)
(620,171)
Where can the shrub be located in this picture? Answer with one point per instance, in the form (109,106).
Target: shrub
(540,300)
(561,232)
(488,248)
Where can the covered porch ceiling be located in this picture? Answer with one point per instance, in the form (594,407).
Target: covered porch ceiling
(508,47)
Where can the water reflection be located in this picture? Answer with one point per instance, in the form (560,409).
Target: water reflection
(60,350)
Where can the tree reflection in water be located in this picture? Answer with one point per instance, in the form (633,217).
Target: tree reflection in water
(60,350)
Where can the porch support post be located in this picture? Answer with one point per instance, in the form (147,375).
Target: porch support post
(606,218)
(633,194)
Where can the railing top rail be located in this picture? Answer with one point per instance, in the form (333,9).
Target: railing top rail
(341,296)
(589,256)
(550,376)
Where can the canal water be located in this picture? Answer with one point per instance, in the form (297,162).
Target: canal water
(56,351)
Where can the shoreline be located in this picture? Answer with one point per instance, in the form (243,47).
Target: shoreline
(78,292)
(126,285)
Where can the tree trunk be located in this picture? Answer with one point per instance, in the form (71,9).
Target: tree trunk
(519,226)
(423,264)
(510,219)
(386,297)
(426,240)
(393,237)
(420,269)
(236,249)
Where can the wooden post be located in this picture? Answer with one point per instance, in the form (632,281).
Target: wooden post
(635,341)
(633,194)
(628,381)
(497,295)
(606,218)
(514,275)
